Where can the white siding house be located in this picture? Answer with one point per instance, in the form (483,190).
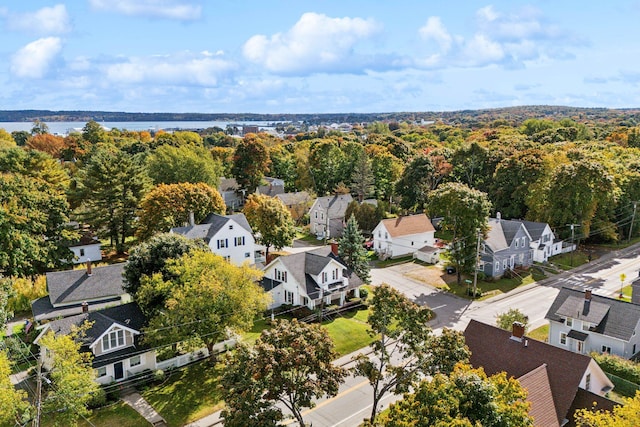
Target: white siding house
(396,237)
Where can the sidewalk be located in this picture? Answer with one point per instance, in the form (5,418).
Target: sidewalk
(137,402)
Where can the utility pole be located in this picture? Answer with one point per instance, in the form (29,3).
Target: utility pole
(475,270)
(633,218)
(572,240)
(36,420)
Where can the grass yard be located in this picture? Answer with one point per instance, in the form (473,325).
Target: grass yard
(570,260)
(388,262)
(252,335)
(117,415)
(349,332)
(492,288)
(187,394)
(540,334)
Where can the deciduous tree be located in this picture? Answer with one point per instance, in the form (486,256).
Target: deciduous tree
(72,377)
(505,320)
(625,415)
(168,205)
(207,293)
(151,257)
(271,218)
(465,398)
(14,407)
(464,212)
(352,251)
(47,143)
(290,364)
(362,178)
(250,162)
(186,163)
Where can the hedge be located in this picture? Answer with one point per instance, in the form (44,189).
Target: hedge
(618,366)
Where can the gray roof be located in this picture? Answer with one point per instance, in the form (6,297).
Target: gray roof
(534,229)
(211,225)
(228,184)
(619,322)
(501,233)
(73,286)
(336,206)
(577,307)
(127,315)
(43,310)
(290,199)
(270,190)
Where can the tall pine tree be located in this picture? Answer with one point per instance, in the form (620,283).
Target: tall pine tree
(352,251)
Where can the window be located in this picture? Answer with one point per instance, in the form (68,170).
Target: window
(328,300)
(316,214)
(606,349)
(504,264)
(497,265)
(101,371)
(288,297)
(517,243)
(580,347)
(230,226)
(227,258)
(386,235)
(113,339)
(247,254)
(305,300)
(411,243)
(587,382)
(81,251)
(134,361)
(379,233)
(569,322)
(524,242)
(239,241)
(223,243)
(586,326)
(324,276)
(563,338)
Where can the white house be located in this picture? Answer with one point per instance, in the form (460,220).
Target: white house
(229,236)
(326,215)
(582,322)
(310,279)
(396,237)
(87,248)
(543,241)
(113,339)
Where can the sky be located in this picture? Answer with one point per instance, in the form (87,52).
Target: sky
(322,56)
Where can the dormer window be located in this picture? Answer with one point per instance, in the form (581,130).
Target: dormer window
(113,339)
(569,322)
(586,326)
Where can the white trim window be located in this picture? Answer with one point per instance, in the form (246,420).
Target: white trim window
(135,361)
(113,339)
(563,338)
(569,322)
(288,297)
(101,371)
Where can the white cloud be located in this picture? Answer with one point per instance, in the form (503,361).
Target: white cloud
(35,59)
(169,9)
(48,20)
(316,43)
(182,69)
(507,40)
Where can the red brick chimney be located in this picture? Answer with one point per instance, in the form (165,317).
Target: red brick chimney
(587,294)
(517,331)
(334,248)
(89,267)
(85,307)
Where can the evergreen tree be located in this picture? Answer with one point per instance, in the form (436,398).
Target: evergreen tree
(352,251)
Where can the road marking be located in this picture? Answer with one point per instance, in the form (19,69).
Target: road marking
(440,306)
(366,408)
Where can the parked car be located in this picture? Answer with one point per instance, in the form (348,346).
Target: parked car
(368,244)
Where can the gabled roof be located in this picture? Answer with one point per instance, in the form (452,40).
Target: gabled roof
(501,233)
(408,225)
(73,286)
(543,409)
(86,238)
(43,310)
(620,320)
(211,225)
(494,350)
(289,199)
(228,184)
(535,229)
(336,206)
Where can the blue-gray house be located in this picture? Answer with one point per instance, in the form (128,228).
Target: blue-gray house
(507,247)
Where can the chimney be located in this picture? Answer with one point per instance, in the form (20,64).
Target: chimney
(192,218)
(85,307)
(587,294)
(334,248)
(89,267)
(517,331)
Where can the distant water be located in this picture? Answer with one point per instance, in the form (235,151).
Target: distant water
(63,128)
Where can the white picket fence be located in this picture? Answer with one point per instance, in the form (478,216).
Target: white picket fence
(185,359)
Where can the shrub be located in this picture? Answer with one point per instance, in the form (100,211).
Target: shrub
(25,291)
(618,366)
(159,375)
(364,293)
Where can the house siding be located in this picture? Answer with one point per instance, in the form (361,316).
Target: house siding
(91,253)
(235,253)
(520,256)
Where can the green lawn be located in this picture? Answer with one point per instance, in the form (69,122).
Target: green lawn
(491,288)
(540,334)
(570,260)
(187,394)
(116,415)
(388,262)
(349,333)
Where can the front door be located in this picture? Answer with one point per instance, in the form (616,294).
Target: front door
(118,371)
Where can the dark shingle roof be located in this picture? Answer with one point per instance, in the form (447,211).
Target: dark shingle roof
(577,307)
(501,233)
(289,199)
(336,206)
(211,225)
(534,229)
(543,409)
(73,286)
(619,322)
(494,350)
(586,399)
(43,310)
